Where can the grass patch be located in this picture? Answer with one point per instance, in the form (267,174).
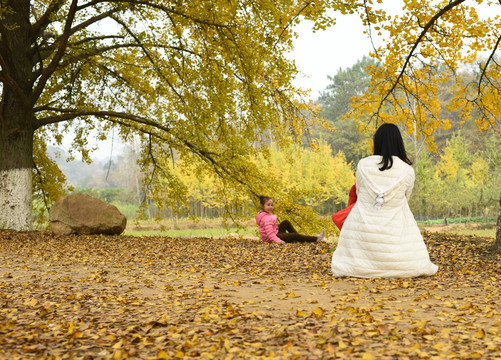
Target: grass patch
(480,230)
(201,233)
(188,228)
(469,231)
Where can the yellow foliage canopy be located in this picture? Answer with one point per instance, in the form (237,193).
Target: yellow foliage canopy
(427,44)
(206,82)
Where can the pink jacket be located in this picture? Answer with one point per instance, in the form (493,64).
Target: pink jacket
(268,227)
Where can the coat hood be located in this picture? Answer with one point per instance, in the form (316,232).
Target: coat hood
(382,182)
(260,215)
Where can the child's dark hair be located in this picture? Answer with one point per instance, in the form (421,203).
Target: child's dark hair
(264,199)
(387,143)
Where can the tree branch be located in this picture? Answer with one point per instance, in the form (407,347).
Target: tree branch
(10,83)
(70,114)
(72,31)
(290,22)
(93,20)
(369,27)
(150,59)
(491,56)
(426,28)
(59,54)
(42,23)
(154,6)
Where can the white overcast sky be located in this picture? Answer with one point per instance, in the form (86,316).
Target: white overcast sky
(324,52)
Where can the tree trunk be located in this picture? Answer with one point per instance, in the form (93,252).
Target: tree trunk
(497,244)
(16,163)
(16,118)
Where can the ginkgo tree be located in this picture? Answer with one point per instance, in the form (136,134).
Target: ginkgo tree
(426,44)
(204,81)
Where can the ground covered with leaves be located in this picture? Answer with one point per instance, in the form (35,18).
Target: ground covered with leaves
(95,297)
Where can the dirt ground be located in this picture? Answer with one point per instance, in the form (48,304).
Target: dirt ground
(93,297)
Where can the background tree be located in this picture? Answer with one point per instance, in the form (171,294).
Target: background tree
(454,174)
(202,79)
(426,200)
(323,179)
(427,44)
(335,104)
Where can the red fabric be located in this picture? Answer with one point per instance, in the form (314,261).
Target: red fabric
(352,197)
(341,215)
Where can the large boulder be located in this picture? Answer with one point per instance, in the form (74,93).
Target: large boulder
(83,214)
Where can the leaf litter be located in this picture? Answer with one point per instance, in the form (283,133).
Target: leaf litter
(105,297)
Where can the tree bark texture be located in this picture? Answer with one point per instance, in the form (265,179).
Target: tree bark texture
(16,162)
(16,119)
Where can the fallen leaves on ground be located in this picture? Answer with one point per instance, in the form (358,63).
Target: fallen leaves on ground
(97,297)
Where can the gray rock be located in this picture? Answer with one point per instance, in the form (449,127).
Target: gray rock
(83,214)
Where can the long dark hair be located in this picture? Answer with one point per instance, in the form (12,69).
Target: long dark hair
(387,143)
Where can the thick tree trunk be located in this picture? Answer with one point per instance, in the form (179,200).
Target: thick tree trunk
(16,163)
(497,244)
(15,199)
(16,117)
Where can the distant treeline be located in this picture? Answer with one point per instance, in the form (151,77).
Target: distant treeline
(460,181)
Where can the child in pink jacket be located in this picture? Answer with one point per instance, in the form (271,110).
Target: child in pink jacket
(270,231)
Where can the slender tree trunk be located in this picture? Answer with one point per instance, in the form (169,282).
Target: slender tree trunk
(497,244)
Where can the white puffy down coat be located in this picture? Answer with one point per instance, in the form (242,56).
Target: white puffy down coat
(380,237)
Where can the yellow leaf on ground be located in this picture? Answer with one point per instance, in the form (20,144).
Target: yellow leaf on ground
(300,313)
(77,335)
(32,302)
(162,355)
(439,346)
(480,334)
(318,312)
(227,344)
(118,344)
(71,328)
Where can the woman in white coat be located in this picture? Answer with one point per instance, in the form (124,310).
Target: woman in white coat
(380,237)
